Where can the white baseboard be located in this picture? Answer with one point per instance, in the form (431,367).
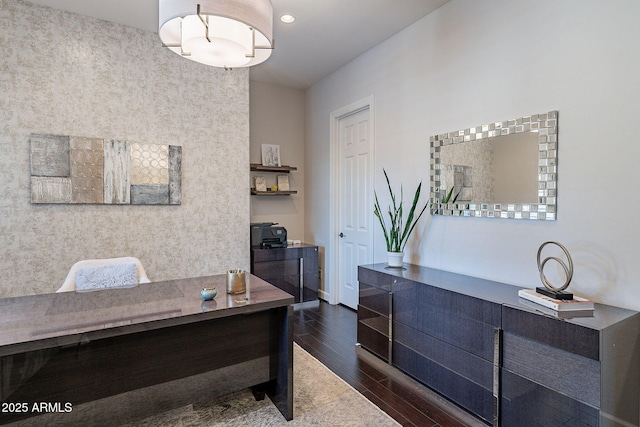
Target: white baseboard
(323,296)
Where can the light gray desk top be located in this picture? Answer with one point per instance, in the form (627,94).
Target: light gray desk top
(43,321)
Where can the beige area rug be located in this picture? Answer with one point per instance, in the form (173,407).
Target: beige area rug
(320,399)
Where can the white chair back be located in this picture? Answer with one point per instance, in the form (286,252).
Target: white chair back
(70,282)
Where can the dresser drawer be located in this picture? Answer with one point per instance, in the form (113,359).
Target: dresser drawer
(467,365)
(461,377)
(373,332)
(460,320)
(406,300)
(375,299)
(375,279)
(567,373)
(526,403)
(566,336)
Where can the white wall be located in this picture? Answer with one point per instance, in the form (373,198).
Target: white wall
(471,63)
(277,117)
(68,74)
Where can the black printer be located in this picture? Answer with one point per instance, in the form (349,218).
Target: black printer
(266,235)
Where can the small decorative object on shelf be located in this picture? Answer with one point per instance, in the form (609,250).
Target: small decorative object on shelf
(260,183)
(550,290)
(556,298)
(270,155)
(283,182)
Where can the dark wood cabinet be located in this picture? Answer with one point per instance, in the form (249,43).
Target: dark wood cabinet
(477,344)
(293,269)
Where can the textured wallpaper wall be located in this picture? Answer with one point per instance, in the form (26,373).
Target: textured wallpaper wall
(68,74)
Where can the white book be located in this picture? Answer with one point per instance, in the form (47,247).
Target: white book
(564,314)
(576,303)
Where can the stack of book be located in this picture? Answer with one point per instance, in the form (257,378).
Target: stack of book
(572,305)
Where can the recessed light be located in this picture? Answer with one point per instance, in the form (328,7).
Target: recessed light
(287,19)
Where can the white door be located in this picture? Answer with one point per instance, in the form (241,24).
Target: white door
(356,205)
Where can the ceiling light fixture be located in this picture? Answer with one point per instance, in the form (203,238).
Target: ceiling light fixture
(220,33)
(287,18)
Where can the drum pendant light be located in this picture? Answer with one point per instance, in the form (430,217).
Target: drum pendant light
(220,33)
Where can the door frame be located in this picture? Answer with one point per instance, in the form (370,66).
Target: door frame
(333,273)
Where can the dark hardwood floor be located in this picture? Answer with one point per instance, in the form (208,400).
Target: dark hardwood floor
(328,332)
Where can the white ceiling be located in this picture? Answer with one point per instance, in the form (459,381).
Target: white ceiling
(326,34)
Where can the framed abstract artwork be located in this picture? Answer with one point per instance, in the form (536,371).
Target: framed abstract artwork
(270,155)
(79,170)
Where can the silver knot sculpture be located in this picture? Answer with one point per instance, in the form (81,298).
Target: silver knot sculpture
(567,269)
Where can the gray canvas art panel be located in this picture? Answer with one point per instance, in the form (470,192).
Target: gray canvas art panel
(49,155)
(152,194)
(175,175)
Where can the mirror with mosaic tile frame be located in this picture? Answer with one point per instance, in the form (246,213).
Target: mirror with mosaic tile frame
(505,169)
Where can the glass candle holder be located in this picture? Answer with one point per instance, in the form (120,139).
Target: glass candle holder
(236,283)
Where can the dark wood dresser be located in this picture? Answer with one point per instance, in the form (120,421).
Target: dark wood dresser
(293,269)
(501,358)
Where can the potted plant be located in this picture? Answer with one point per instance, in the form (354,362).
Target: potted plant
(397,233)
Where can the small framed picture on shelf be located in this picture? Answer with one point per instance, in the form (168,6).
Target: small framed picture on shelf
(260,183)
(283,182)
(270,155)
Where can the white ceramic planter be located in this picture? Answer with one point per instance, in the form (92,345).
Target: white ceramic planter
(394,259)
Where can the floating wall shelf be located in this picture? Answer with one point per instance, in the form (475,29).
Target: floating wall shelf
(285,169)
(257,167)
(272,193)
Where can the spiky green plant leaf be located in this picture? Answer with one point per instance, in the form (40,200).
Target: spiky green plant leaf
(397,233)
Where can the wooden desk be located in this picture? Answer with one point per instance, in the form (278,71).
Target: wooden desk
(71,348)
